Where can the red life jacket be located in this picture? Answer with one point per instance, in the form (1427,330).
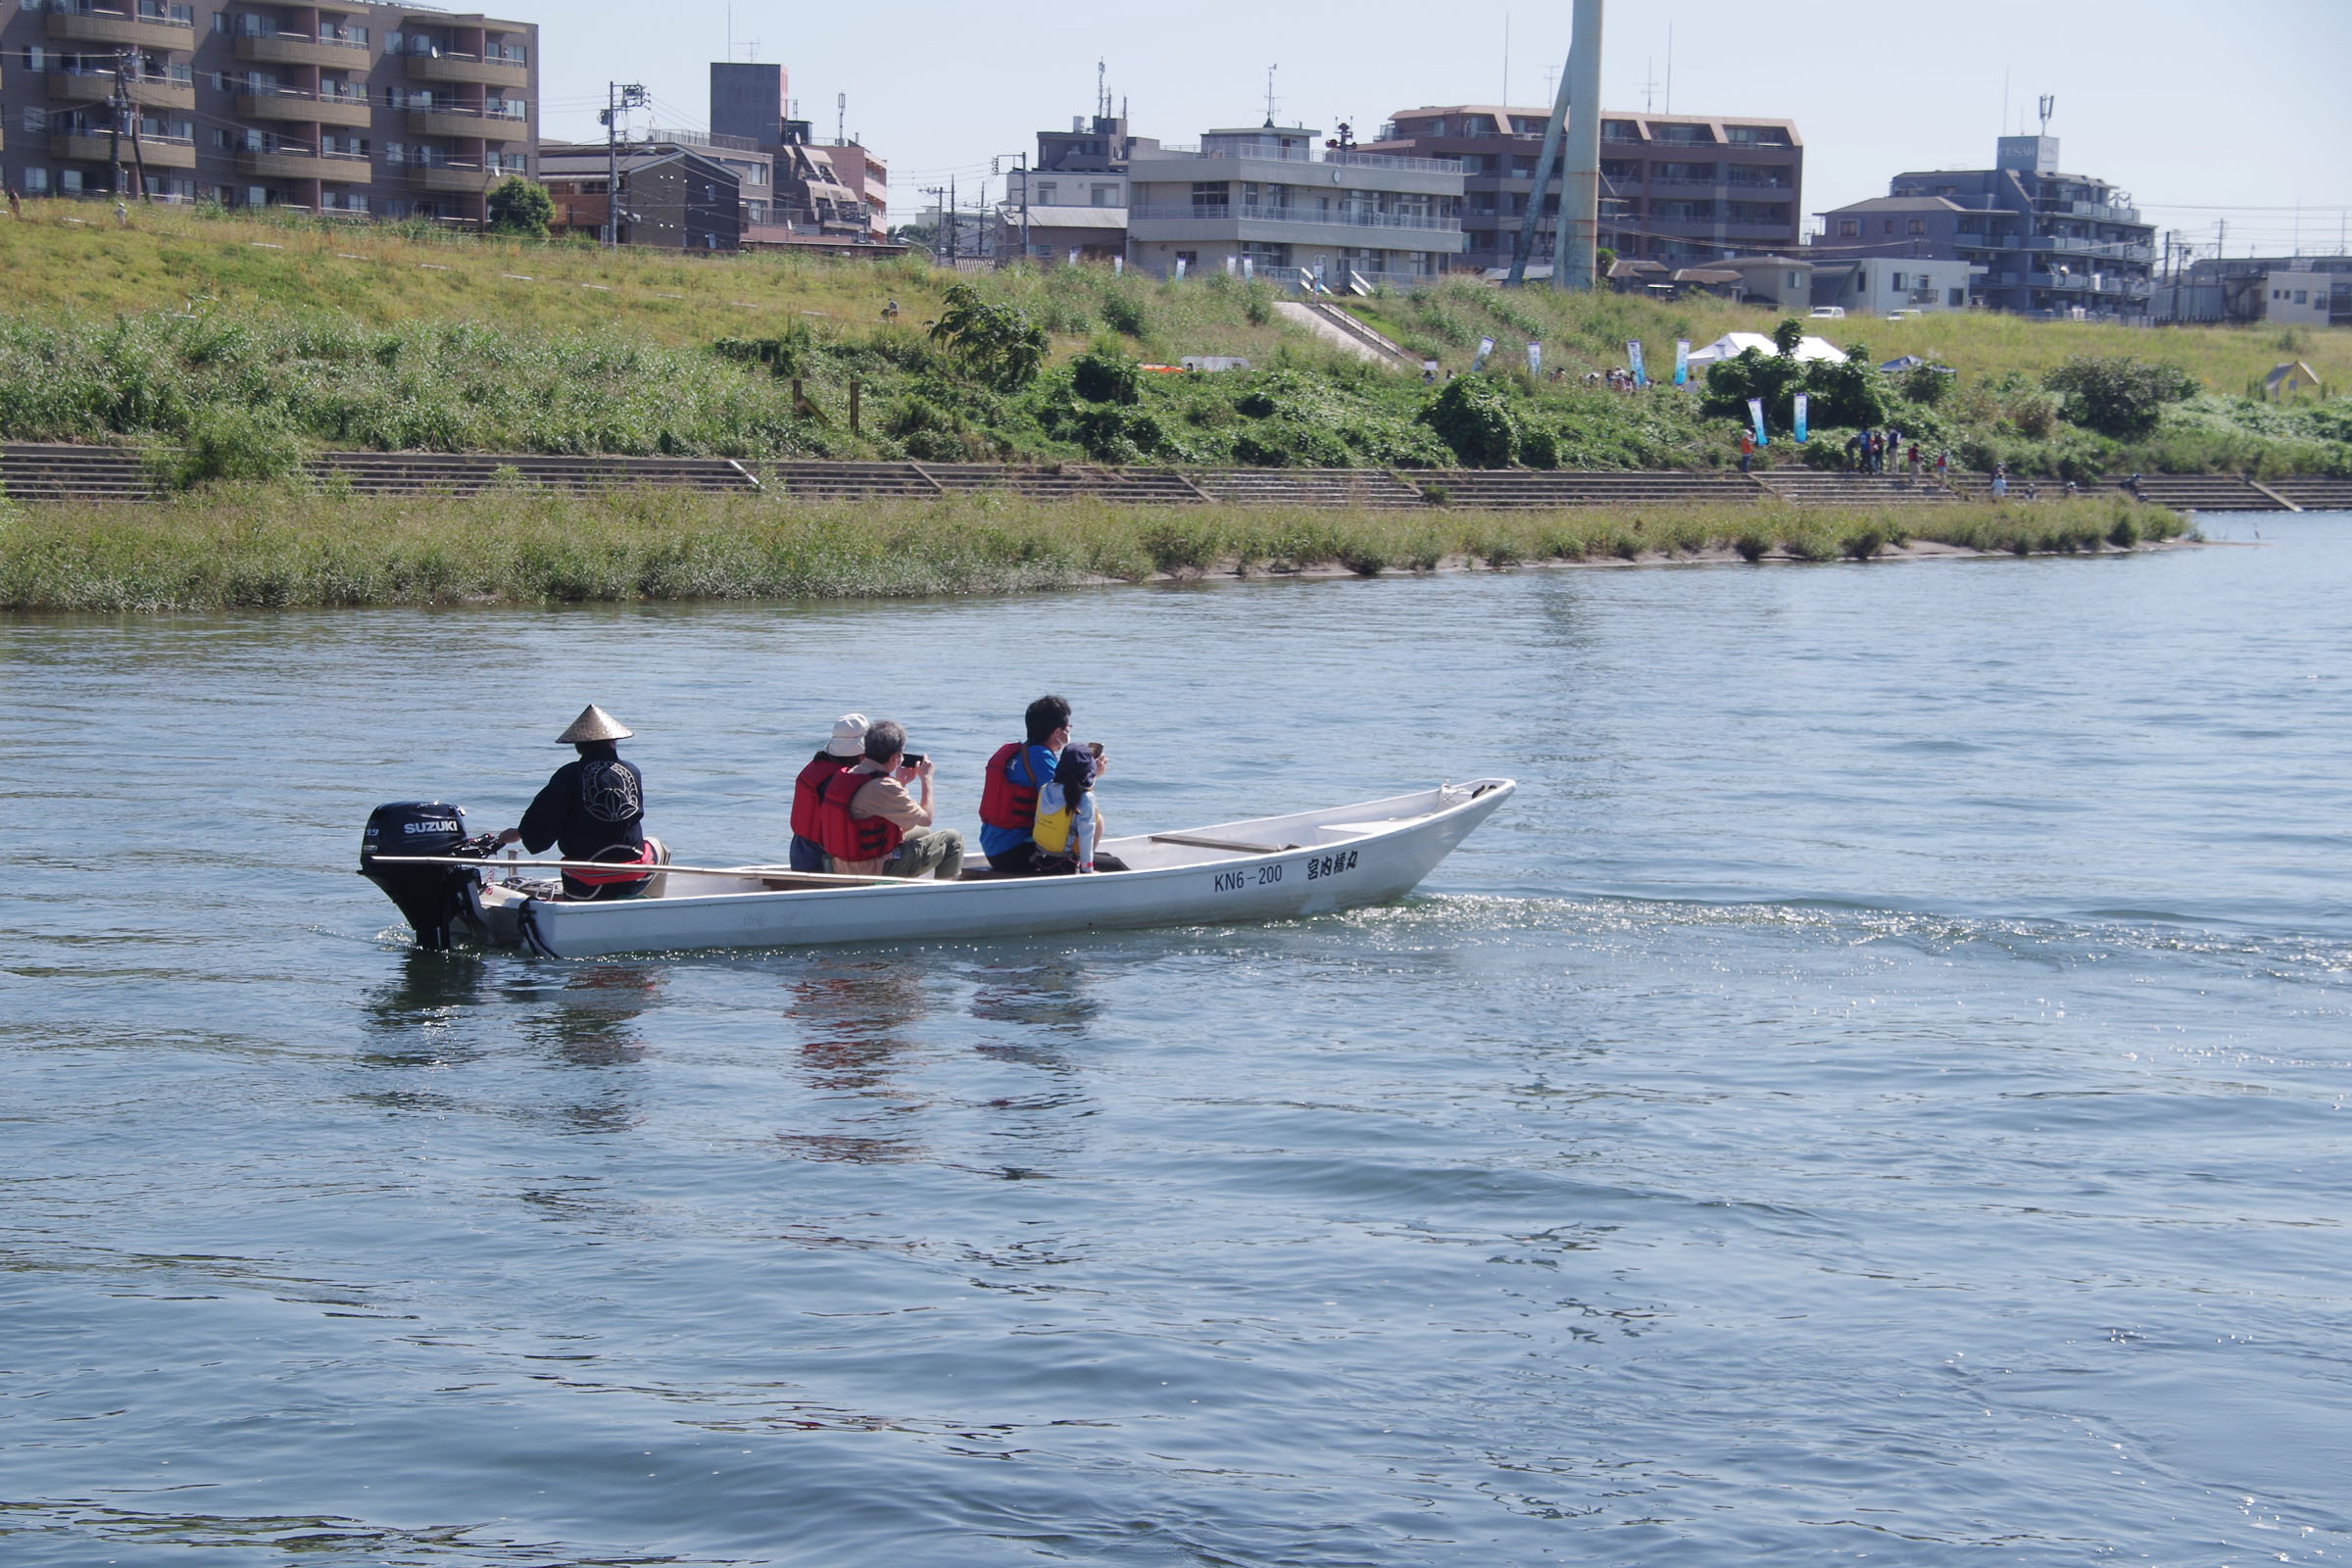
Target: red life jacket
(1002,803)
(804,791)
(851,838)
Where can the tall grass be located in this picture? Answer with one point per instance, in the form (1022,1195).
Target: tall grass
(266,548)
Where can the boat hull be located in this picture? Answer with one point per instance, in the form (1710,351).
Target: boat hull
(1340,858)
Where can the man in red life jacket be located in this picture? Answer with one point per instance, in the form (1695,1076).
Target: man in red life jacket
(871,827)
(1008,792)
(840,753)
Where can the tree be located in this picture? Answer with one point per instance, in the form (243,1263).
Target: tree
(1472,416)
(521,208)
(997,343)
(2119,395)
(1789,337)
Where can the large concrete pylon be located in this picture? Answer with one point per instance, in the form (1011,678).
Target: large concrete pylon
(1576,245)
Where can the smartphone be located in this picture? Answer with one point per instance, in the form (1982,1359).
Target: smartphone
(1095,747)
(912,760)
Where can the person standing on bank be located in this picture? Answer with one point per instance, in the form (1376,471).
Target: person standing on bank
(594,810)
(840,753)
(871,827)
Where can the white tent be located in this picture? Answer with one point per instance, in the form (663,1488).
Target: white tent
(1731,345)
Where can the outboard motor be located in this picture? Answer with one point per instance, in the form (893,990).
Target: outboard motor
(432,896)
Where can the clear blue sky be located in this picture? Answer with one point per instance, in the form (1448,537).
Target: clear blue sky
(2203,111)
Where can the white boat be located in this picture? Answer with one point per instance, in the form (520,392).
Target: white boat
(1265,869)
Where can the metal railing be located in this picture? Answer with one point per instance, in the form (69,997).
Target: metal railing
(1338,219)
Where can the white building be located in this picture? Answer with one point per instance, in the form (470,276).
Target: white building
(1878,286)
(1277,198)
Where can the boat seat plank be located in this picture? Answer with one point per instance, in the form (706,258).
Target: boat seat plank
(1199,842)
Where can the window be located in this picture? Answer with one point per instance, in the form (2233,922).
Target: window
(37,180)
(1918,225)
(70,182)
(1890,226)
(1212,196)
(394,42)
(1106,195)
(1045,193)
(1958,297)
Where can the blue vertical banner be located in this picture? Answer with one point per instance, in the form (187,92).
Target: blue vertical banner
(1486,346)
(1755,411)
(1800,418)
(1681,362)
(1535,359)
(1633,358)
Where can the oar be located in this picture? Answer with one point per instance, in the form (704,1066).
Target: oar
(760,871)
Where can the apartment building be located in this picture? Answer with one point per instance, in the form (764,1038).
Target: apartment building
(821,196)
(672,197)
(376,109)
(2045,243)
(1678,189)
(1072,202)
(1279,200)
(2293,290)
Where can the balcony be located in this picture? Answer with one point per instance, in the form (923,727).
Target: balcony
(300,49)
(298,163)
(291,105)
(1336,219)
(93,147)
(470,124)
(96,87)
(121,28)
(471,69)
(464,180)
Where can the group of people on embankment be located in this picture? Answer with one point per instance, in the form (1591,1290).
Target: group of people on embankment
(862,806)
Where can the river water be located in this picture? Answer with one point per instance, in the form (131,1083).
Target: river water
(1879,1090)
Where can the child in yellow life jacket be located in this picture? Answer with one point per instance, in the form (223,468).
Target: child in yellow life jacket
(1068,825)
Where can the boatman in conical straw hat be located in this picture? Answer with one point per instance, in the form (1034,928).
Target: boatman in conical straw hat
(594,810)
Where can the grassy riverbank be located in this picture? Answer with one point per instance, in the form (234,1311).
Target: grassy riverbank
(273,549)
(231,331)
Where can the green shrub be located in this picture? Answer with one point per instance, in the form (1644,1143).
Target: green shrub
(1106,373)
(1474,419)
(229,445)
(2119,395)
(520,208)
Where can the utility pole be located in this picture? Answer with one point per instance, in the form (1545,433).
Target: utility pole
(1575,245)
(618,100)
(950,223)
(113,130)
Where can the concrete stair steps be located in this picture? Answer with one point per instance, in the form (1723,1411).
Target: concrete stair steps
(44,472)
(1808,488)
(2198,492)
(2314,495)
(1358,488)
(1505,489)
(468,473)
(851,481)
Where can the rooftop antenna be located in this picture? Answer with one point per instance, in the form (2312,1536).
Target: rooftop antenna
(841,118)
(2049,103)
(1549,75)
(1670,68)
(1506,67)
(1270,98)
(1649,87)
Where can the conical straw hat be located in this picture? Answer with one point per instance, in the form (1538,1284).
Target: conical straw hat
(594,724)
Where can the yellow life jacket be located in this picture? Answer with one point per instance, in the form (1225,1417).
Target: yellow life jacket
(1054,831)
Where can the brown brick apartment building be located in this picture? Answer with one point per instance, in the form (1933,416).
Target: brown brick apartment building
(1682,189)
(373,110)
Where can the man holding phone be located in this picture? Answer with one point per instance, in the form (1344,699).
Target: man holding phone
(873,828)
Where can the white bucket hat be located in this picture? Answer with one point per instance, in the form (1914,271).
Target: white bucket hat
(594,724)
(848,736)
